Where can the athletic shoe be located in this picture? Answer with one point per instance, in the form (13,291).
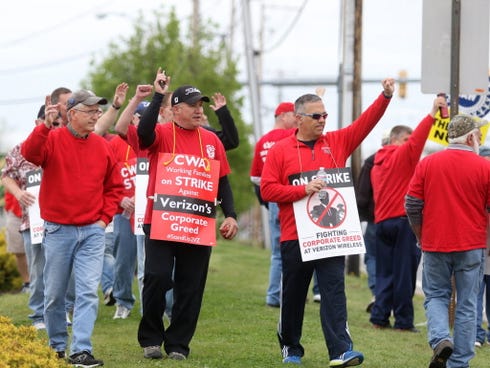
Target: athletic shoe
(317,298)
(175,355)
(292,359)
(152,352)
(121,312)
(348,359)
(60,354)
(84,359)
(68,320)
(478,344)
(109,298)
(442,352)
(39,325)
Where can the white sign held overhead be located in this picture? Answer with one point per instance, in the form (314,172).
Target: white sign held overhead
(436,46)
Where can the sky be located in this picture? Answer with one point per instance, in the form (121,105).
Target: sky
(48,44)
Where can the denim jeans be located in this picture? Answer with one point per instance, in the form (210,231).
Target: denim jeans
(140,256)
(483,298)
(35,262)
(79,249)
(274,289)
(370,256)
(125,261)
(169,295)
(467,268)
(107,280)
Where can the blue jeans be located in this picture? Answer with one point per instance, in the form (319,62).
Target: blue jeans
(140,256)
(169,295)
(438,268)
(370,256)
(274,289)
(107,280)
(35,263)
(79,249)
(125,261)
(481,334)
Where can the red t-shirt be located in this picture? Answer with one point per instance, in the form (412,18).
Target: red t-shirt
(126,158)
(455,187)
(198,142)
(12,204)
(282,179)
(262,147)
(393,168)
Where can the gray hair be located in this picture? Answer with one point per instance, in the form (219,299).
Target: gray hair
(301,101)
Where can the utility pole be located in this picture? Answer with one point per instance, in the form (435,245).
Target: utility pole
(350,86)
(253,84)
(195,26)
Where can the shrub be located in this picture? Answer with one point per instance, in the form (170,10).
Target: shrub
(21,347)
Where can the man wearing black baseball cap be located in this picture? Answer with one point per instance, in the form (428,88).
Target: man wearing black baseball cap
(179,139)
(188,94)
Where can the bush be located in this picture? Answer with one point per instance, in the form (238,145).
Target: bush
(9,275)
(22,348)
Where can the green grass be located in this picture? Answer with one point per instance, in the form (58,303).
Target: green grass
(236,329)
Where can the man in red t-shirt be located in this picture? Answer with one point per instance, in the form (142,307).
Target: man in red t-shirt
(182,138)
(284,126)
(397,256)
(447,205)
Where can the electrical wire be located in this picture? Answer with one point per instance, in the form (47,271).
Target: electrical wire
(288,30)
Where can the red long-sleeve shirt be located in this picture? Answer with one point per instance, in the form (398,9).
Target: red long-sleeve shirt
(80,183)
(454,185)
(288,161)
(393,168)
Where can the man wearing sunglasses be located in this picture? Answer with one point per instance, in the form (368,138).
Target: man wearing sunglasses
(306,151)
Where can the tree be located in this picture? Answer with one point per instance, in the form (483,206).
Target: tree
(208,65)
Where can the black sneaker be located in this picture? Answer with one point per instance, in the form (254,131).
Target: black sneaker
(442,352)
(84,359)
(60,354)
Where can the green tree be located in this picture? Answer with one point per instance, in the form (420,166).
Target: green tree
(207,64)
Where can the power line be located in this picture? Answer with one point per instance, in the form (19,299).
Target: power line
(46,64)
(289,29)
(68,21)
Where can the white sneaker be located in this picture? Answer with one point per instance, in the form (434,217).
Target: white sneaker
(39,325)
(317,298)
(68,320)
(121,312)
(478,344)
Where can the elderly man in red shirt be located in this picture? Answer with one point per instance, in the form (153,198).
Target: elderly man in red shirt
(447,204)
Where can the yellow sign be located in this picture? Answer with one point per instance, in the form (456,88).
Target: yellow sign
(438,132)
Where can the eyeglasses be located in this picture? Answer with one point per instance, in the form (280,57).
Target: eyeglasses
(315,116)
(91,112)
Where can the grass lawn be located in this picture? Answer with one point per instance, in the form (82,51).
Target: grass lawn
(236,329)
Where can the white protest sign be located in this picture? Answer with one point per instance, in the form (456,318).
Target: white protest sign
(142,166)
(36,222)
(330,227)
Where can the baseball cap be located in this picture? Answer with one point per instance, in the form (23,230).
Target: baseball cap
(187,94)
(284,107)
(141,108)
(84,97)
(463,124)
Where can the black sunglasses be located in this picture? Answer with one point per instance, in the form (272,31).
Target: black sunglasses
(316,116)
